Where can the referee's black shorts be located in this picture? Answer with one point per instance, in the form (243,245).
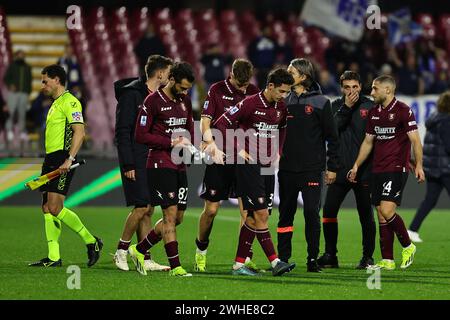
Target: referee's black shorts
(136,192)
(219,182)
(255,188)
(52,162)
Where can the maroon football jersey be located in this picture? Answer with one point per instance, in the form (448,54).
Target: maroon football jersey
(266,119)
(390,127)
(158,119)
(222,96)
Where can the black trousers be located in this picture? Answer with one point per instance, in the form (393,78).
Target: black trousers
(336,194)
(290,184)
(434,189)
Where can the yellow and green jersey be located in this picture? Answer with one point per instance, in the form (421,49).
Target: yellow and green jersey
(64,111)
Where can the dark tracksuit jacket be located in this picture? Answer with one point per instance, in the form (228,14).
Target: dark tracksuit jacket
(310,126)
(130,94)
(351,125)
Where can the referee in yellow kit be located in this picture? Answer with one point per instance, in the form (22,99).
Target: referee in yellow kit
(64,136)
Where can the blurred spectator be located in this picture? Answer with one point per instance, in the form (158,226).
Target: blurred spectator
(328,83)
(18,81)
(148,45)
(215,62)
(73,70)
(426,63)
(262,52)
(410,81)
(285,52)
(441,83)
(38,113)
(3,112)
(436,162)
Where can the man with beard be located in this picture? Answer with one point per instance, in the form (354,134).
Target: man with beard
(165,123)
(130,94)
(391,130)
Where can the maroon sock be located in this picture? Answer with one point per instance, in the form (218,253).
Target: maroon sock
(265,240)
(246,237)
(150,240)
(123,245)
(386,241)
(398,226)
(172,254)
(202,245)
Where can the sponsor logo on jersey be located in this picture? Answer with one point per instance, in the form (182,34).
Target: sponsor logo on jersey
(166,108)
(375,118)
(384,130)
(412,123)
(309,109)
(175,121)
(227,98)
(260,113)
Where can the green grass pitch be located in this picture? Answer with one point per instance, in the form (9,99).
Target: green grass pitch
(23,241)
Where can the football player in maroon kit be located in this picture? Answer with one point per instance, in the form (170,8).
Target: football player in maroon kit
(261,118)
(219,178)
(166,125)
(391,130)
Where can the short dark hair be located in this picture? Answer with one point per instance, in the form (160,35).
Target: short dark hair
(182,70)
(55,70)
(305,67)
(279,77)
(385,79)
(443,103)
(156,62)
(242,70)
(349,75)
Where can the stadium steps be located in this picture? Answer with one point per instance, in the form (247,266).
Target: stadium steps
(41,38)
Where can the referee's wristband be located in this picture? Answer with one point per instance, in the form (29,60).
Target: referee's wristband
(71,158)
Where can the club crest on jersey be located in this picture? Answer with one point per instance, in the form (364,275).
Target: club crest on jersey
(363,113)
(309,109)
(171,195)
(143,121)
(391,116)
(261,200)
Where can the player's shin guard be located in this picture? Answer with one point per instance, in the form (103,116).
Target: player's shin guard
(285,242)
(71,219)
(398,226)
(265,240)
(52,233)
(386,241)
(246,237)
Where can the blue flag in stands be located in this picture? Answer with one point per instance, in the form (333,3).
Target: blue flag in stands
(401,28)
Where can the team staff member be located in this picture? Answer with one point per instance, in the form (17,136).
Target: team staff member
(263,116)
(130,94)
(164,122)
(351,111)
(64,134)
(219,178)
(310,125)
(391,130)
